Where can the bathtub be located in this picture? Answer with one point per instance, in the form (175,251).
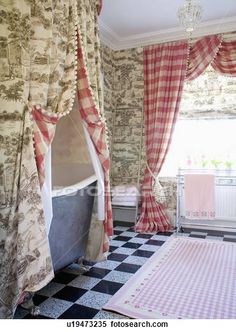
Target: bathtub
(73,192)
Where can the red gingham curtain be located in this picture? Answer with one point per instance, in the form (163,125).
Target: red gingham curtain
(201,55)
(225,60)
(165,68)
(97,130)
(44,131)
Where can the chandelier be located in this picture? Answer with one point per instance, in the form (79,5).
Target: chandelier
(189,15)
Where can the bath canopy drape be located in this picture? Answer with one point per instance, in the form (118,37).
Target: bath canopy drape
(90,100)
(38,68)
(38,75)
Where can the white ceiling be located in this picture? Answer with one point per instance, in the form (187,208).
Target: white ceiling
(132,23)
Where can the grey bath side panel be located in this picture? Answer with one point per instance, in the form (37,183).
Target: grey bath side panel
(70,226)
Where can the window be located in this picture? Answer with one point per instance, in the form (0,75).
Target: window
(202,144)
(205,134)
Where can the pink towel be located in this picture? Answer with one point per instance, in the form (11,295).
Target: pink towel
(199,196)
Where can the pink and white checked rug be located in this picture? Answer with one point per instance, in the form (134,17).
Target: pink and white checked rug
(186,278)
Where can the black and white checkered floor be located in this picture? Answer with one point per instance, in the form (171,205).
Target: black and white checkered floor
(73,295)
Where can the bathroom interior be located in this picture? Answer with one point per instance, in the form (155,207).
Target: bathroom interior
(112,180)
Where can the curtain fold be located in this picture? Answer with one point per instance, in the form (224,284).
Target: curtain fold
(52,78)
(90,100)
(201,54)
(25,261)
(225,60)
(44,130)
(165,68)
(96,127)
(90,45)
(38,71)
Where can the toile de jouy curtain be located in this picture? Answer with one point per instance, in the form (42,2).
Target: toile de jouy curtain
(38,76)
(52,80)
(90,100)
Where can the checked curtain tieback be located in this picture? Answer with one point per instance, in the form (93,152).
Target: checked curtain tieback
(157,189)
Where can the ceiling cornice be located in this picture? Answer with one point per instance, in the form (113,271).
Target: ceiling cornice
(116,42)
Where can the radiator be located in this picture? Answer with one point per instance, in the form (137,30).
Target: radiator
(225,197)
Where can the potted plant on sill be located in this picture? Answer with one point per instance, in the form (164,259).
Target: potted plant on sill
(228,165)
(216,163)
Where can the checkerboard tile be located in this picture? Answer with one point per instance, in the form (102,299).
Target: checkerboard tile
(84,282)
(112,248)
(130,268)
(54,307)
(51,289)
(149,248)
(124,251)
(102,314)
(116,243)
(94,299)
(129,234)
(118,276)
(117,232)
(107,287)
(97,272)
(135,260)
(138,240)
(77,311)
(142,253)
(110,265)
(122,238)
(116,257)
(63,278)
(160,237)
(77,294)
(21,313)
(69,293)
(131,245)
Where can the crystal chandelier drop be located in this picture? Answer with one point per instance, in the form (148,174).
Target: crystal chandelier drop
(189,15)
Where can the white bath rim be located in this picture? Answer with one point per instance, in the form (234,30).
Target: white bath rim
(70,190)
